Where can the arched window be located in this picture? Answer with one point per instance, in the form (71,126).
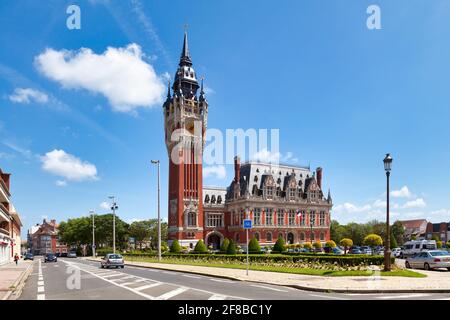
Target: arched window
(192,219)
(322,236)
(302,236)
(219,199)
(213,199)
(237,238)
(207,198)
(257,235)
(269,237)
(313,236)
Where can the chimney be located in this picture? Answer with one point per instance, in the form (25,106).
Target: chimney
(237,169)
(319,177)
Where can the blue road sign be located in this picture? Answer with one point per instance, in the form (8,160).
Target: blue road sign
(247,224)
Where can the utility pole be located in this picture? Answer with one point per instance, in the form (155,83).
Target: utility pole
(93,233)
(159,212)
(114,207)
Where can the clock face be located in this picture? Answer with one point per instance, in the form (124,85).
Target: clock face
(173,207)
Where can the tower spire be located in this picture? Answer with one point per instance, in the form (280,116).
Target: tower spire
(185,59)
(168,89)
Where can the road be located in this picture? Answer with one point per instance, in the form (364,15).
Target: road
(58,280)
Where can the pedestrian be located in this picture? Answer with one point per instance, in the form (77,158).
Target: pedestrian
(16,259)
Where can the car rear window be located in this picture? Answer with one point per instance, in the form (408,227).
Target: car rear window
(115,256)
(439,253)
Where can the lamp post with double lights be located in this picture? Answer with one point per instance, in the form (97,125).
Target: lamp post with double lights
(114,207)
(387,252)
(93,233)
(159,212)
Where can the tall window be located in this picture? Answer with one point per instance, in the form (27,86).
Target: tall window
(241,217)
(313,237)
(291,193)
(192,219)
(303,218)
(269,216)
(269,237)
(280,218)
(257,235)
(237,238)
(215,220)
(269,192)
(322,218)
(291,218)
(322,236)
(257,217)
(302,236)
(312,218)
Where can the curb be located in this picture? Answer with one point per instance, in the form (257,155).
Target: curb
(18,284)
(295,286)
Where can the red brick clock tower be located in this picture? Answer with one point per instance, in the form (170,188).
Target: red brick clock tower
(185,122)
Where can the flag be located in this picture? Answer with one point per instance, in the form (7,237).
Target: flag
(299,213)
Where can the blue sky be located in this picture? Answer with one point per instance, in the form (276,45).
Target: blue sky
(342,96)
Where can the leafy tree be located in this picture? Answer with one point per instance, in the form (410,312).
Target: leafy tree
(140,230)
(279,245)
(253,246)
(346,243)
(373,240)
(330,244)
(393,241)
(225,244)
(398,232)
(200,247)
(231,247)
(175,247)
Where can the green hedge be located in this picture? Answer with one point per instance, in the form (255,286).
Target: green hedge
(349,260)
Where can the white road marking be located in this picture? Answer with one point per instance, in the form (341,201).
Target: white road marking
(148,286)
(133,282)
(266,287)
(56,266)
(416,295)
(40,283)
(168,272)
(189,276)
(113,275)
(41,296)
(327,297)
(171,294)
(220,280)
(217,297)
(41,289)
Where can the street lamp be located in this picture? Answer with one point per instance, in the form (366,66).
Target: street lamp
(387,252)
(93,233)
(159,213)
(114,207)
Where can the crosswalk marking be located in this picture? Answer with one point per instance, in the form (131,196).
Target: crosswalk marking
(147,286)
(41,297)
(269,288)
(217,297)
(113,275)
(189,276)
(171,294)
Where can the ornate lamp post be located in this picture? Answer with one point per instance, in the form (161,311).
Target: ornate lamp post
(387,252)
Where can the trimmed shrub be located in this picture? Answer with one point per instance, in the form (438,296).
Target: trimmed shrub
(225,244)
(253,246)
(439,244)
(330,244)
(307,245)
(175,247)
(200,247)
(346,243)
(317,245)
(231,247)
(299,245)
(373,240)
(279,245)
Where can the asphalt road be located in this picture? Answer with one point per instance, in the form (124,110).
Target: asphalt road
(76,279)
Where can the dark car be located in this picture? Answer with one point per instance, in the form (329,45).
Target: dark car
(63,254)
(50,257)
(28,256)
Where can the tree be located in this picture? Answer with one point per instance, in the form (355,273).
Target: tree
(225,244)
(398,232)
(346,243)
(373,240)
(140,230)
(175,247)
(200,247)
(435,238)
(279,245)
(393,241)
(253,246)
(231,247)
(307,245)
(317,245)
(439,244)
(153,223)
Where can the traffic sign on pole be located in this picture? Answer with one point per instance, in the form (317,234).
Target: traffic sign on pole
(247,224)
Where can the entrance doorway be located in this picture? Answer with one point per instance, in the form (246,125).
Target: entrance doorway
(214,241)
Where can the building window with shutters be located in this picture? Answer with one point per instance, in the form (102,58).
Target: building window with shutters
(302,236)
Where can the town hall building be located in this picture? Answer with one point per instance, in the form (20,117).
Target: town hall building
(281,200)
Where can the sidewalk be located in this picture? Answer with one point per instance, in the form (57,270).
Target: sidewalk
(435,282)
(12,278)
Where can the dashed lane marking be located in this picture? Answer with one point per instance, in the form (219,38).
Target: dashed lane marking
(406,296)
(41,296)
(189,276)
(269,288)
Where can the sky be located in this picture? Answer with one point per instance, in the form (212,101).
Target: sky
(81,116)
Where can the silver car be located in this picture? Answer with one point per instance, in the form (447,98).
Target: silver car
(112,260)
(429,260)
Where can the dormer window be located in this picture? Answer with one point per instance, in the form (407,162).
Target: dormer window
(291,193)
(219,199)
(213,199)
(207,198)
(269,192)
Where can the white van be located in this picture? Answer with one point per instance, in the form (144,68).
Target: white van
(415,246)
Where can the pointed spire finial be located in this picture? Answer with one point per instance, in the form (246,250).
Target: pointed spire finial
(168,88)
(185,58)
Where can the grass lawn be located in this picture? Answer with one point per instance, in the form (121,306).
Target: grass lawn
(307,271)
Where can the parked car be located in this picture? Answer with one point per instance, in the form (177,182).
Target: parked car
(28,256)
(417,246)
(355,251)
(366,250)
(63,254)
(50,257)
(429,260)
(112,260)
(337,250)
(396,252)
(72,254)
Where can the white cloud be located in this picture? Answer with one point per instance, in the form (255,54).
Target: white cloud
(402,193)
(218,171)
(417,203)
(267,156)
(27,95)
(105,205)
(119,74)
(351,208)
(68,166)
(61,183)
